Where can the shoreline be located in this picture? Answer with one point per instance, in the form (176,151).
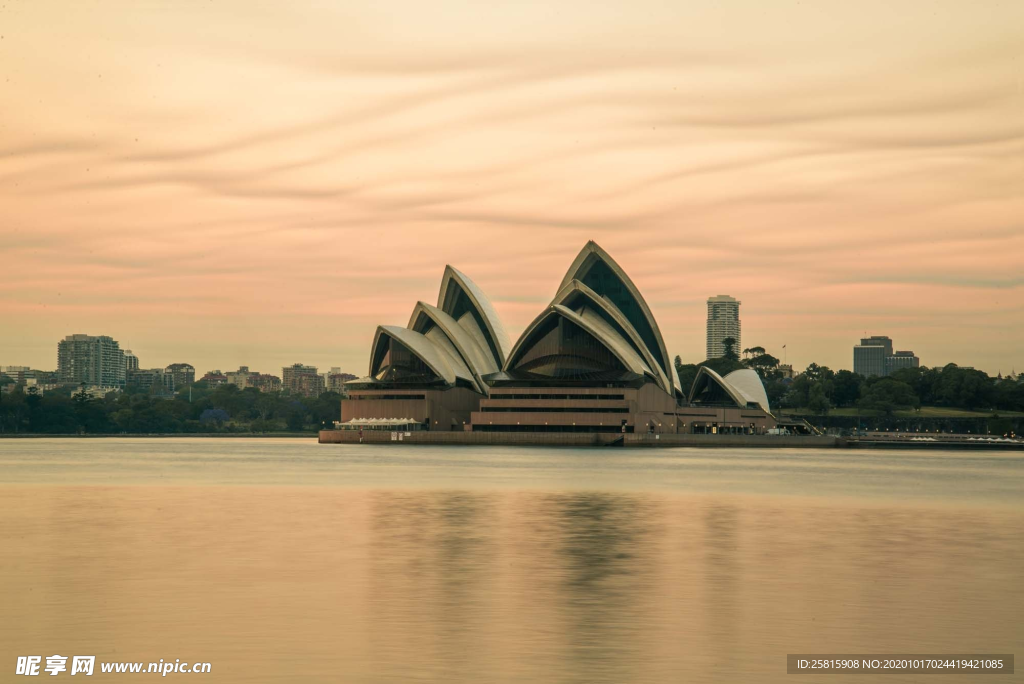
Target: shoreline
(164,435)
(648,441)
(568,439)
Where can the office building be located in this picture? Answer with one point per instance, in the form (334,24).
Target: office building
(97,392)
(874,357)
(264,382)
(869,356)
(151,380)
(96,361)
(302,380)
(214,378)
(131,361)
(723,322)
(901,359)
(19,374)
(240,377)
(243,378)
(334,380)
(39,385)
(182,373)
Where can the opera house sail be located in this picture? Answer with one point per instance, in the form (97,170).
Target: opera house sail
(593,360)
(430,374)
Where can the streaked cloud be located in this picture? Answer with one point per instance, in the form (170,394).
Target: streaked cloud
(249,182)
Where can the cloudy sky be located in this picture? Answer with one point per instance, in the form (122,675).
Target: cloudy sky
(247,182)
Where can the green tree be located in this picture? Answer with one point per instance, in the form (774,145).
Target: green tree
(797,395)
(1009,396)
(324,409)
(817,399)
(92,417)
(14,411)
(766,365)
(53,413)
(888,396)
(846,388)
(753,352)
(296,420)
(81,396)
(687,372)
(729,349)
(776,389)
(722,365)
(816,372)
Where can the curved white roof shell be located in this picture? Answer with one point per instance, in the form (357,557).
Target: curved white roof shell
(749,384)
(592,254)
(705,375)
(677,383)
(479,361)
(576,288)
(462,339)
(592,323)
(497,340)
(438,359)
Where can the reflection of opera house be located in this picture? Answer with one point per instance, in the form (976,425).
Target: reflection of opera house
(593,361)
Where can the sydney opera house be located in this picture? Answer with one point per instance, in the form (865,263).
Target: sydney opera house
(593,360)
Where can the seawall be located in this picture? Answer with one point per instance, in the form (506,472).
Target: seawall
(576,439)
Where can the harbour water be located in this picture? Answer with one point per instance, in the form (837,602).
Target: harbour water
(286,560)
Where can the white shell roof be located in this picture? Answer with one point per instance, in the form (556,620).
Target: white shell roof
(441,362)
(748,382)
(705,372)
(593,324)
(480,361)
(463,349)
(593,249)
(495,329)
(597,300)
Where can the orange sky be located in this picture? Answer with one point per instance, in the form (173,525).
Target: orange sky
(230,183)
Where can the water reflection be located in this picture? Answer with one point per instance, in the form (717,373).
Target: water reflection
(721,588)
(279,584)
(602,556)
(431,555)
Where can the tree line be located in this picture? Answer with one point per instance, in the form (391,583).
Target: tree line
(225,408)
(820,389)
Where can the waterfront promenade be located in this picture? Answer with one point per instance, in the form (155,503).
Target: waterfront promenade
(657,441)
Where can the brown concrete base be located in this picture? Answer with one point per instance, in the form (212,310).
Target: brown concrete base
(577,439)
(753,441)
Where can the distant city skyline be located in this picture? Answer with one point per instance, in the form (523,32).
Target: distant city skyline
(270,362)
(132,360)
(257,197)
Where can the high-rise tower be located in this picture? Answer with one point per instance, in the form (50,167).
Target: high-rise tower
(96,361)
(723,322)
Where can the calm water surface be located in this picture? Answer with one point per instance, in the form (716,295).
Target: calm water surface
(289,561)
